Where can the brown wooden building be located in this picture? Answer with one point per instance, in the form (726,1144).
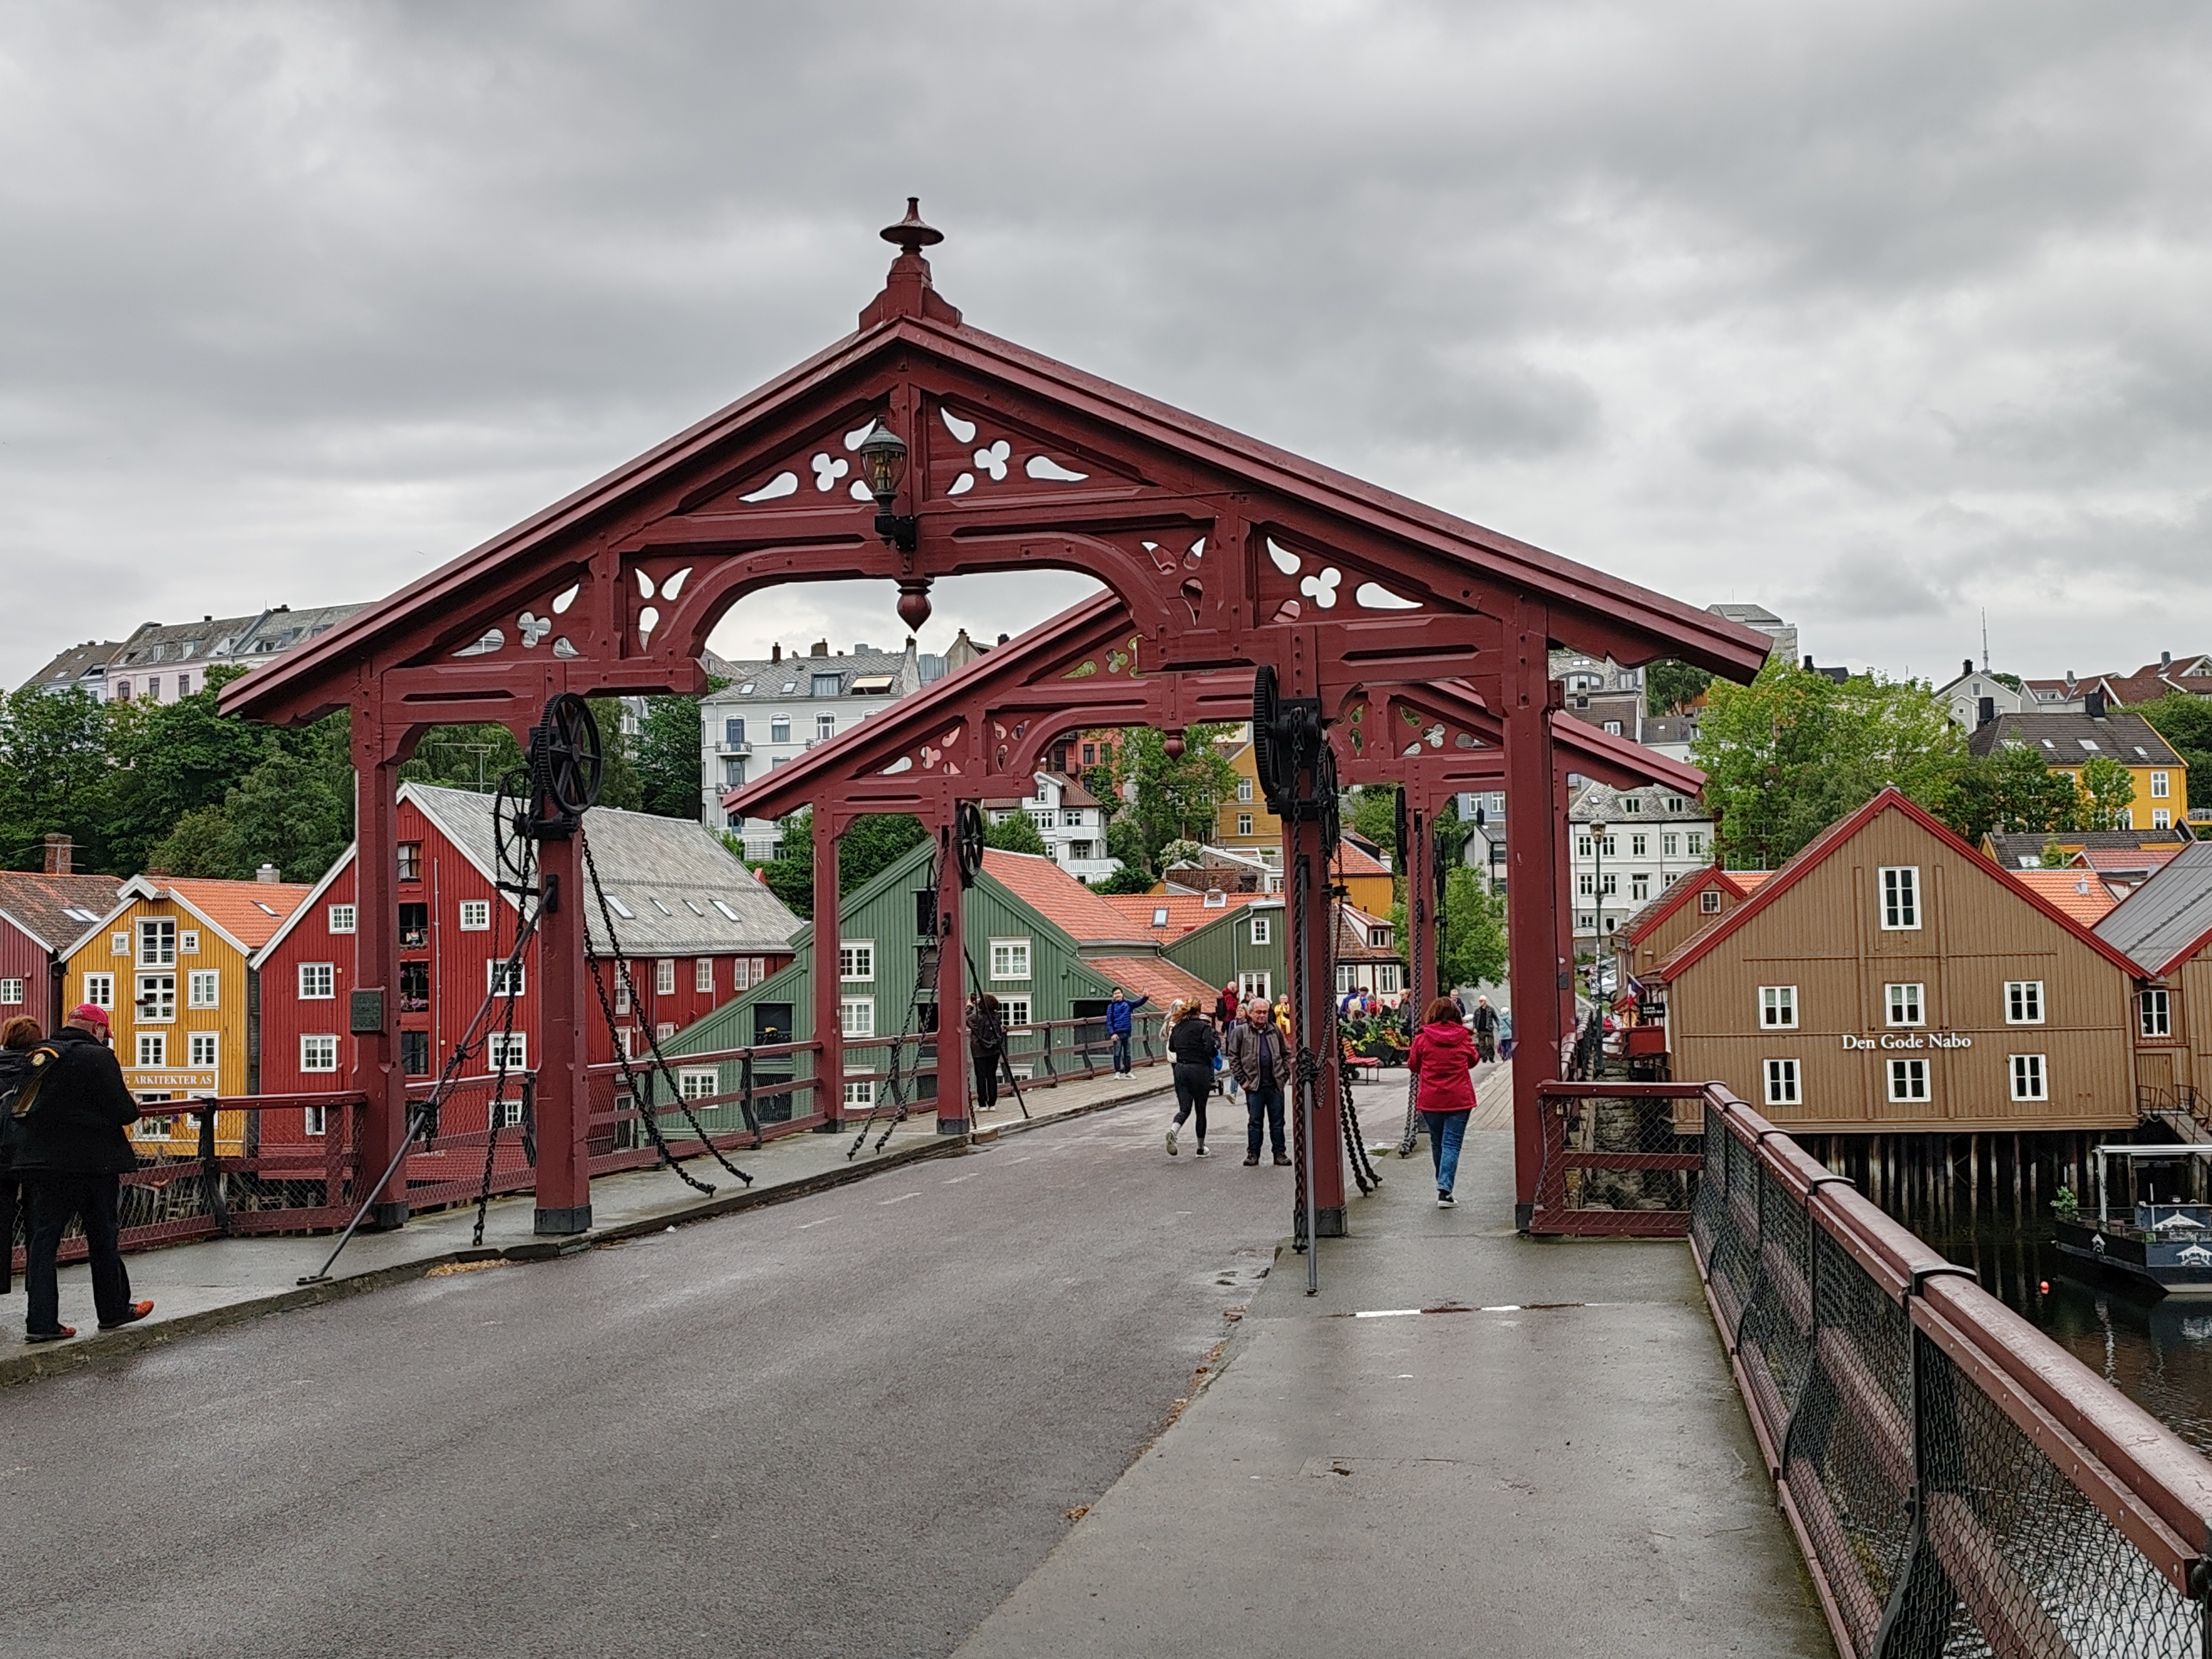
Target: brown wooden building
(1691,904)
(1889,979)
(2166,927)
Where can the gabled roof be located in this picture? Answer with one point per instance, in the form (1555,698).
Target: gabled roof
(75,665)
(2119,859)
(1839,834)
(791,679)
(1352,939)
(1151,976)
(1353,860)
(305,907)
(245,914)
(1678,893)
(2168,919)
(2057,739)
(686,893)
(2025,852)
(2081,894)
(1183,912)
(53,910)
(1749,880)
(1059,898)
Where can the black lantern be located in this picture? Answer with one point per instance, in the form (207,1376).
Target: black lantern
(883,466)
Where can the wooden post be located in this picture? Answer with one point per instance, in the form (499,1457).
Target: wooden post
(1541,967)
(952,1114)
(1302,841)
(376,1072)
(828,1004)
(562,1100)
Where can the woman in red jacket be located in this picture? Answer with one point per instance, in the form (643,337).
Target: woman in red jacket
(1442,1060)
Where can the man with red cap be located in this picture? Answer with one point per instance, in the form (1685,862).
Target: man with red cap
(71,1148)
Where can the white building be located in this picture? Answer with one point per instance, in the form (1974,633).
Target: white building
(163,662)
(1627,845)
(1071,820)
(1965,694)
(775,710)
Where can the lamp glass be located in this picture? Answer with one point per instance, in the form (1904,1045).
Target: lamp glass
(883,460)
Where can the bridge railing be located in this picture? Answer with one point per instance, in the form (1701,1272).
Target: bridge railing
(1959,1484)
(1620,1159)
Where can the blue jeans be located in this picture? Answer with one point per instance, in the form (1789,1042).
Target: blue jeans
(1120,1051)
(1263,1104)
(1445,1129)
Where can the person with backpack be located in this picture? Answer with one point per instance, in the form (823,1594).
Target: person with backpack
(1196,1048)
(70,1150)
(17,1038)
(1442,1060)
(987,1047)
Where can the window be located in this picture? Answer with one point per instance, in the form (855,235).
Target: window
(1016,1011)
(1263,930)
(99,991)
(1908,1079)
(2027,1080)
(2161,786)
(860,1096)
(188,943)
(825,727)
(157,998)
(824,685)
(1244,824)
(1778,1006)
(475,916)
(1637,845)
(663,977)
(153,1047)
(733,732)
(1585,923)
(415,1053)
(1010,958)
(1586,884)
(199,1050)
(856,1016)
(1612,882)
(1639,886)
(1612,728)
(318,1118)
(699,1082)
(318,981)
(157,944)
(319,1054)
(511,1048)
(1584,847)
(1697,845)
(1385,977)
(2024,1002)
(1250,985)
(857,961)
(779,728)
(498,975)
(1347,978)
(341,917)
(1905,1005)
(702,974)
(2154,1014)
(413,926)
(1708,903)
(1611,847)
(1900,898)
(1070,817)
(204,988)
(1676,804)
(410,860)
(123,690)
(1781,1083)
(118,944)
(1244,789)
(1669,845)
(622,994)
(11,992)
(2160,819)
(1631,804)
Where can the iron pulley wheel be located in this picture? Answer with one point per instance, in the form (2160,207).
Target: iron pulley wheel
(967,840)
(567,757)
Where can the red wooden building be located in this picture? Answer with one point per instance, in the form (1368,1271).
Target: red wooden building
(41,914)
(696,925)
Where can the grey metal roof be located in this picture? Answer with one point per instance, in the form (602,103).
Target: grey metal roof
(687,894)
(75,664)
(2057,739)
(1594,803)
(264,633)
(2167,914)
(2009,848)
(793,679)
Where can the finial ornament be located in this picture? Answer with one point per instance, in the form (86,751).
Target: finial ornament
(910,235)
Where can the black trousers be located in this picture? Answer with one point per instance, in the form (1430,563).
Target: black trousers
(10,1202)
(56,1201)
(1193,1085)
(987,1078)
(1263,1102)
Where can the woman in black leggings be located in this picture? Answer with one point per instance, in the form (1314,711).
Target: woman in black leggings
(1192,1041)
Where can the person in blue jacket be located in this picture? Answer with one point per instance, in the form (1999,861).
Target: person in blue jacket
(1117,1025)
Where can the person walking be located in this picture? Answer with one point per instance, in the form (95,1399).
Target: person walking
(1442,1060)
(17,1038)
(1192,1041)
(987,1047)
(1224,1007)
(1486,1029)
(1118,1012)
(1260,1056)
(1224,1022)
(70,1153)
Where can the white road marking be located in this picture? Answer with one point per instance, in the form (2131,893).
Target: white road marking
(901,1199)
(955,1179)
(824,1221)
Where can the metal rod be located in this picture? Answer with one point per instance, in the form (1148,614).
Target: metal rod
(1304,929)
(414,1127)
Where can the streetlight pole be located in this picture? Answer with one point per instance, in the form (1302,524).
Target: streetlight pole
(1597,883)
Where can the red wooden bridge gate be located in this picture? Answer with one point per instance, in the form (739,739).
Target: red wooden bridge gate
(1227,556)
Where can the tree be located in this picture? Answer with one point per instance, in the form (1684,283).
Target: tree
(873,842)
(464,757)
(1475,930)
(1669,686)
(54,772)
(1129,878)
(1126,841)
(2009,791)
(620,785)
(2107,788)
(2185,722)
(668,755)
(1374,816)
(1176,797)
(1793,751)
(171,759)
(1014,833)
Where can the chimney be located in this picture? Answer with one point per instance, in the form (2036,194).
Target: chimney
(1002,639)
(1966,667)
(1808,662)
(1985,712)
(2165,662)
(60,852)
(821,649)
(267,873)
(2093,705)
(2069,683)
(775,652)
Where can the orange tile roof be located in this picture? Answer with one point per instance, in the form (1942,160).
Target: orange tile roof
(1186,911)
(1156,977)
(1748,879)
(1059,897)
(2079,893)
(1353,860)
(2115,857)
(249,911)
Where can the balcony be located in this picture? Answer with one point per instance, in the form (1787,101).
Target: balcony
(744,747)
(1090,869)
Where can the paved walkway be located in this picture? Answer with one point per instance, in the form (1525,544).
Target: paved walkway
(216,1281)
(1470,1443)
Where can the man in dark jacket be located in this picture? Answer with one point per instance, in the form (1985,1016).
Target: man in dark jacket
(70,1149)
(1259,1055)
(1117,1025)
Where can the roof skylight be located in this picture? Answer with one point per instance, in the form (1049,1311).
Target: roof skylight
(725,909)
(620,909)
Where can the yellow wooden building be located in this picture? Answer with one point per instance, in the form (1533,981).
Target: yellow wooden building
(170,964)
(2067,743)
(1245,825)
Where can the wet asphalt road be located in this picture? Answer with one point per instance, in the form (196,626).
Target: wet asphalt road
(845,1426)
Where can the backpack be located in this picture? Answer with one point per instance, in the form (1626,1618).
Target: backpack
(20,1100)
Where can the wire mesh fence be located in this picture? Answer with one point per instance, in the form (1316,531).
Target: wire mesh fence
(1620,1159)
(1959,1484)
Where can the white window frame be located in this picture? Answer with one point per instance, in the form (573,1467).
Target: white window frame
(1014,1012)
(663,977)
(341,918)
(1708,903)
(2154,1012)
(621,993)
(153,1050)
(496,977)
(1670,846)
(1904,1004)
(188,942)
(1244,824)
(1781,1083)
(856,1016)
(318,981)
(856,961)
(157,942)
(698,1082)
(860,1096)
(1639,885)
(2023,1002)
(1244,790)
(99,991)
(1777,1007)
(1697,844)
(316,1120)
(1636,846)
(2161,786)
(516,1046)
(164,998)
(1011,959)
(314,1053)
(203,988)
(2030,1076)
(199,1044)
(1906,1075)
(1347,978)
(1252,983)
(11,992)
(1899,900)
(1263,930)
(2161,818)
(702,974)
(475,916)
(118,944)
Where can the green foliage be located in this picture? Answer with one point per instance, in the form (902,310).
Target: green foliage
(1792,752)
(1374,815)
(293,811)
(2012,680)
(54,768)
(170,759)
(668,751)
(464,757)
(1129,879)
(1475,930)
(1014,833)
(870,845)
(2053,856)
(1126,841)
(1670,686)
(790,873)
(2067,1203)
(2185,722)
(620,785)
(2107,787)
(1177,798)
(2009,791)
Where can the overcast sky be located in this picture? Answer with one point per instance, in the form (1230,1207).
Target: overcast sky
(1878,314)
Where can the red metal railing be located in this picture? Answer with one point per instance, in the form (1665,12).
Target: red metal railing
(1620,1159)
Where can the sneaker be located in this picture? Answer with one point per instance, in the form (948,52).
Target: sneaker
(61,1335)
(137,1311)
(1171,1140)
(1443,1198)
(1252,1160)
(1202,1153)
(1282,1162)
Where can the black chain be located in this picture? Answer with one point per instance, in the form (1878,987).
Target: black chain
(1363,1169)
(497,1112)
(912,1028)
